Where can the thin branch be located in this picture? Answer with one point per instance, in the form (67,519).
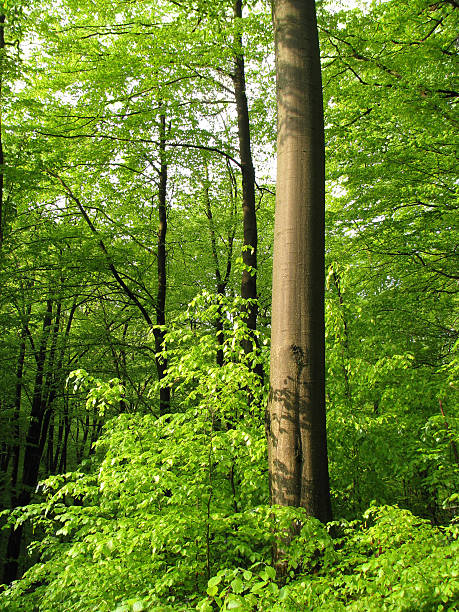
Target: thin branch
(145,141)
(103,248)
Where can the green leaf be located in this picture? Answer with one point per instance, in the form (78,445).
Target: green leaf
(271,572)
(283,593)
(237,585)
(212,590)
(214,581)
(259,586)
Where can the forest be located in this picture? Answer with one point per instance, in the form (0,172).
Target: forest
(229,281)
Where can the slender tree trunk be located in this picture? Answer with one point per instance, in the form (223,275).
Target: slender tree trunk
(49,463)
(51,384)
(33,450)
(48,378)
(345,352)
(58,448)
(81,447)
(63,455)
(218,277)
(16,449)
(56,376)
(161,362)
(221,281)
(2,158)
(297,444)
(249,217)
(96,430)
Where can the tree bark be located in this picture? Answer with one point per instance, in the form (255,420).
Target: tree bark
(345,342)
(161,362)
(221,281)
(32,453)
(2,159)
(249,216)
(297,444)
(16,450)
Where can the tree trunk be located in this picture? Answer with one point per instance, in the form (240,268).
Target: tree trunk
(63,456)
(249,217)
(58,448)
(297,444)
(2,160)
(161,362)
(221,287)
(221,281)
(16,447)
(49,457)
(33,449)
(345,341)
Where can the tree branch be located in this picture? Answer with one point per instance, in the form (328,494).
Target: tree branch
(103,248)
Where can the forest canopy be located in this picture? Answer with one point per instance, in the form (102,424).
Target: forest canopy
(138,147)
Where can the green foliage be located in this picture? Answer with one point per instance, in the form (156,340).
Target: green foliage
(172,513)
(242,589)
(388,440)
(165,500)
(100,395)
(393,561)
(389,561)
(191,352)
(160,498)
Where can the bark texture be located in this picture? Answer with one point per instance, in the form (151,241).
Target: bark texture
(296,410)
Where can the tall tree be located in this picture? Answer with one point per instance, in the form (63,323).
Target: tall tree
(44,392)
(297,443)
(2,160)
(221,279)
(161,362)
(249,216)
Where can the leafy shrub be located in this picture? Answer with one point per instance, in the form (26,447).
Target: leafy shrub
(391,560)
(172,513)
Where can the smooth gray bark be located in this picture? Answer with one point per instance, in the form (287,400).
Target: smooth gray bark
(296,411)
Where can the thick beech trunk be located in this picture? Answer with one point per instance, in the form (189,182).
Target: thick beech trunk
(296,411)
